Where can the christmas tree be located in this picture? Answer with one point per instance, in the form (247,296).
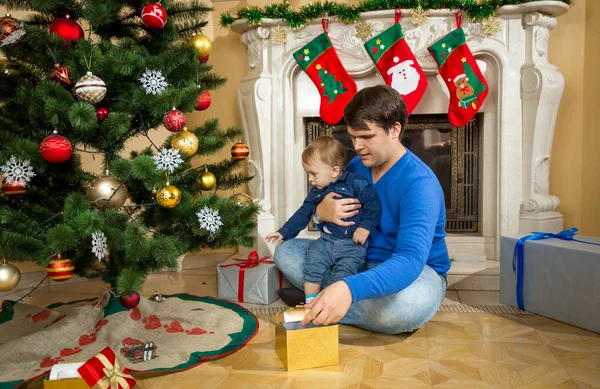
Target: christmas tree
(98,73)
(332,87)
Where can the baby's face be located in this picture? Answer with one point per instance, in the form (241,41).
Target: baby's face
(319,174)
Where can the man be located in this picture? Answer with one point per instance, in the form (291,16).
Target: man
(407,258)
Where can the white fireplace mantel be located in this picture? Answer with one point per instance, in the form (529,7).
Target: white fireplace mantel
(519,113)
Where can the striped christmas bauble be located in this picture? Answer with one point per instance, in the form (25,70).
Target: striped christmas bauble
(60,269)
(240,151)
(90,88)
(15,188)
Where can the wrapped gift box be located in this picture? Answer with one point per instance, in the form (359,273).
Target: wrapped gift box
(561,279)
(305,347)
(65,376)
(253,280)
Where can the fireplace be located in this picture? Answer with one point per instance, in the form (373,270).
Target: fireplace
(498,182)
(451,152)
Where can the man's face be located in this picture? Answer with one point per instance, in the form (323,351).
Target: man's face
(373,145)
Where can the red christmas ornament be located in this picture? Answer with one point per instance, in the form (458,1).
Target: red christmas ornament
(15,188)
(240,151)
(56,148)
(60,269)
(62,75)
(203,59)
(102,113)
(130,301)
(67,29)
(154,16)
(8,25)
(174,120)
(203,101)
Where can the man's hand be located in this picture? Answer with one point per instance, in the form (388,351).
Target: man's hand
(360,235)
(335,211)
(330,305)
(274,237)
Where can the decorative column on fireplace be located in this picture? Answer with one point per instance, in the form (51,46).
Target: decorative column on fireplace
(510,189)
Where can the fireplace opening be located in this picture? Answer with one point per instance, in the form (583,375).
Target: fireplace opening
(451,152)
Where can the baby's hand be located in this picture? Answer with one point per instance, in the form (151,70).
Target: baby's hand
(360,235)
(274,237)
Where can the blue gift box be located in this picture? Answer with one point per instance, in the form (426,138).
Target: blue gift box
(560,278)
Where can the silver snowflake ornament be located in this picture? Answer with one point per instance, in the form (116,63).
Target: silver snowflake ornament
(14,37)
(17,171)
(99,246)
(153,82)
(168,159)
(209,220)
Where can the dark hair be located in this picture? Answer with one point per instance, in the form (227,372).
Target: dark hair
(381,105)
(326,149)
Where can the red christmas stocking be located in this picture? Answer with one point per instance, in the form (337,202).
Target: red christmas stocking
(468,89)
(397,64)
(320,61)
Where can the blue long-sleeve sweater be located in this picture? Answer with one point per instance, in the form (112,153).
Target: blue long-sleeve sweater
(412,229)
(348,185)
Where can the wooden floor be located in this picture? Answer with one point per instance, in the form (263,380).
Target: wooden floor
(454,350)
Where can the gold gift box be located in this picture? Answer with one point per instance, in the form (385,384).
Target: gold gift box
(67,383)
(305,347)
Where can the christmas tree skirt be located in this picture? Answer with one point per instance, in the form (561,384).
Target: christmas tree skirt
(177,334)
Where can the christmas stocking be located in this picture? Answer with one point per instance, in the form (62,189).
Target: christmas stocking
(468,89)
(397,64)
(320,61)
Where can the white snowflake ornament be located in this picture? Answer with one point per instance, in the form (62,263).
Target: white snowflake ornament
(153,82)
(168,159)
(14,37)
(17,171)
(99,246)
(209,220)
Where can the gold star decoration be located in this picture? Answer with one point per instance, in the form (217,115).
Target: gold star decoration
(363,30)
(491,25)
(463,60)
(418,16)
(318,66)
(306,51)
(278,35)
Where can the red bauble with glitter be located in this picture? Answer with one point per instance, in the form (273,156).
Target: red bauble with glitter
(174,120)
(240,151)
(154,16)
(8,25)
(60,269)
(16,188)
(56,148)
(130,301)
(203,101)
(62,75)
(203,59)
(102,113)
(67,29)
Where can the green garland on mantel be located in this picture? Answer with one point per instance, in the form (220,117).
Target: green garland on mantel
(475,9)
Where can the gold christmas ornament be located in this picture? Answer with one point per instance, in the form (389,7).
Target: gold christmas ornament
(168,196)
(9,276)
(418,16)
(185,141)
(363,30)
(206,180)
(90,88)
(241,198)
(279,36)
(201,43)
(100,190)
(491,25)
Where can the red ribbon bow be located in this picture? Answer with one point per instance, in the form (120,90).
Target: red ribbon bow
(253,260)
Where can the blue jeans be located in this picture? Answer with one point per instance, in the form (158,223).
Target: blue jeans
(404,311)
(338,257)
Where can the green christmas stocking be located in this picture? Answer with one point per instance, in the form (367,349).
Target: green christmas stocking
(468,89)
(320,61)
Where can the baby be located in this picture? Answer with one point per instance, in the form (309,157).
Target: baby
(339,250)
